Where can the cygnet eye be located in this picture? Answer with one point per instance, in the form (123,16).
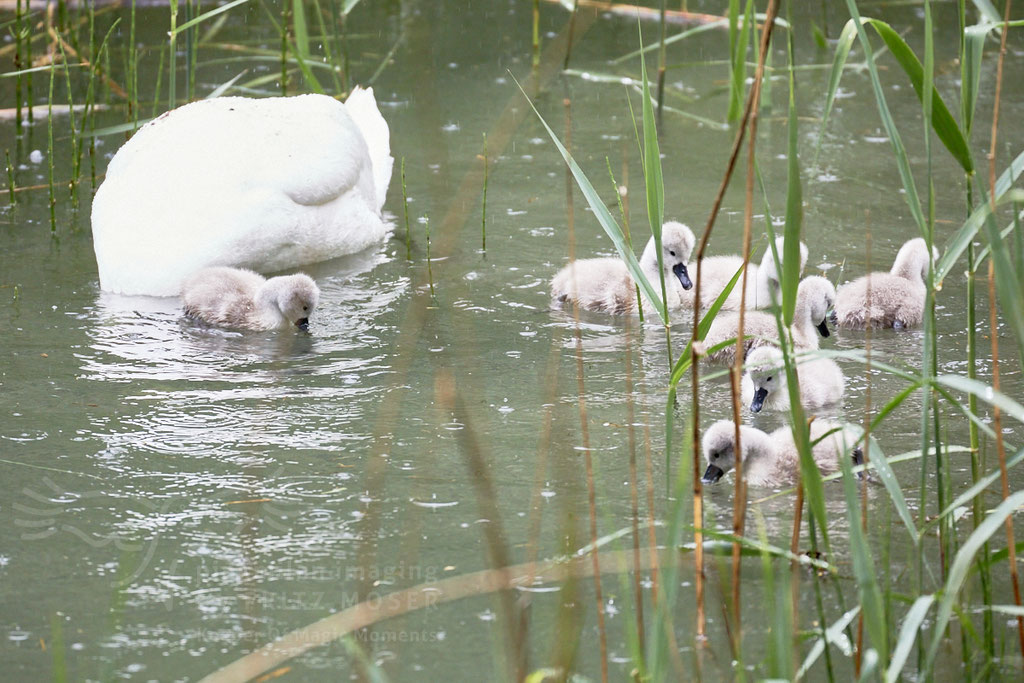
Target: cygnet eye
(769,379)
(671,253)
(305,308)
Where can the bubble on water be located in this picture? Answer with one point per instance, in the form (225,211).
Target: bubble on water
(35,156)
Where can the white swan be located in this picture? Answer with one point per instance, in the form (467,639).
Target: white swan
(772,460)
(267,184)
(814,298)
(239,298)
(762,280)
(893,299)
(764,383)
(604,284)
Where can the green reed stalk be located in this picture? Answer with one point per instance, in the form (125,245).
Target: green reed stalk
(28,63)
(661,60)
(159,81)
(18,65)
(75,159)
(337,23)
(286,21)
(60,669)
(49,155)
(572,29)
(405,211)
(430,272)
(625,225)
(968,86)
(10,176)
(172,56)
(535,61)
(483,209)
(190,52)
(133,71)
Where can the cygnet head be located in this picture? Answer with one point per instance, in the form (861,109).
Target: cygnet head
(296,296)
(767,371)
(768,260)
(719,445)
(912,259)
(677,242)
(819,295)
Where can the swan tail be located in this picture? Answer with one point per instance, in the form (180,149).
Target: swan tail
(362,107)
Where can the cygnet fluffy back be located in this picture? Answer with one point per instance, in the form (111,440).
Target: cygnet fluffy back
(894,299)
(604,284)
(815,296)
(239,298)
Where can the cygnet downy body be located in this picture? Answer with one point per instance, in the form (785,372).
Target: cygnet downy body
(815,296)
(242,299)
(762,280)
(772,459)
(894,299)
(764,383)
(604,284)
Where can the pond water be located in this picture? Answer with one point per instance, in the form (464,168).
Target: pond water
(175,497)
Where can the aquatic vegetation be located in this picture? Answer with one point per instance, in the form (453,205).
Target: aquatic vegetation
(478,467)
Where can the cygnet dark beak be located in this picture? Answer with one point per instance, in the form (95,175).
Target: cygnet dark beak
(712,474)
(823,328)
(302,324)
(758,402)
(684,278)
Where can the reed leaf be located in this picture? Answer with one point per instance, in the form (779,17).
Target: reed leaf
(1010,292)
(892,486)
(970,73)
(985,393)
(957,244)
(942,121)
(653,180)
(960,569)
(908,635)
(208,15)
(978,488)
(604,217)
(683,364)
(863,563)
(790,277)
(843,45)
(832,634)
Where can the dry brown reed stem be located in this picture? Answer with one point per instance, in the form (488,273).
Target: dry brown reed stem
(698,493)
(406,601)
(677,17)
(494,534)
(794,549)
(455,219)
(739,501)
(114,87)
(1000,446)
(588,461)
(634,493)
(543,448)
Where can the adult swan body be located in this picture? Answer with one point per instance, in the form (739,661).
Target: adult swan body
(266,184)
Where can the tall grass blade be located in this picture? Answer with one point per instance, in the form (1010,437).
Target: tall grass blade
(942,121)
(960,569)
(604,217)
(1011,295)
(843,46)
(970,73)
(908,635)
(653,181)
(902,162)
(832,634)
(863,563)
(209,15)
(794,205)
